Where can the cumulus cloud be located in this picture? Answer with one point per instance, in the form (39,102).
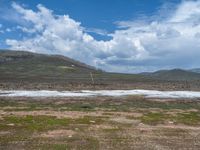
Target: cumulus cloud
(138,45)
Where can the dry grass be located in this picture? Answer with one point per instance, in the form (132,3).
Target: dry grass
(138,124)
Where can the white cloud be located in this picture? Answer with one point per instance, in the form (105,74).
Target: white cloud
(97,31)
(8,30)
(136,46)
(188,10)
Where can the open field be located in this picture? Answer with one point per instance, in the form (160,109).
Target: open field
(131,122)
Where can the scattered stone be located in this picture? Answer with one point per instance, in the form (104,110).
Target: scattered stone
(11,124)
(141,124)
(3,113)
(91,121)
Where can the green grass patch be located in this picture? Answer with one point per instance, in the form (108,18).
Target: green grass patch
(154,118)
(50,146)
(191,118)
(35,123)
(111,130)
(92,104)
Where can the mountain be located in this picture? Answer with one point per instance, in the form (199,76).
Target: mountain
(27,61)
(32,67)
(24,63)
(26,70)
(27,67)
(196,70)
(175,75)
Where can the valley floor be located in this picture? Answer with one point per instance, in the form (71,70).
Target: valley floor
(105,123)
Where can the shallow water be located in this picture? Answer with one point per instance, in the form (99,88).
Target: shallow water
(89,93)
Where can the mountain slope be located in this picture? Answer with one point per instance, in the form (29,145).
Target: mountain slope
(21,63)
(196,70)
(26,70)
(30,67)
(174,74)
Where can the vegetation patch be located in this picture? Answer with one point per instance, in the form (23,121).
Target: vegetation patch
(98,123)
(154,118)
(126,104)
(34,123)
(173,132)
(66,68)
(90,120)
(113,129)
(190,118)
(49,146)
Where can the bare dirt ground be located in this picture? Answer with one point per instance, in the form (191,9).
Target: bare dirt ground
(104,123)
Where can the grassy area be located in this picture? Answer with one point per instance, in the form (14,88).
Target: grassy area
(35,123)
(154,118)
(93,104)
(101,123)
(189,118)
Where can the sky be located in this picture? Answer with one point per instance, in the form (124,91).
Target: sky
(128,36)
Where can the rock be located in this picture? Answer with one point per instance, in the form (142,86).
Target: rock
(91,121)
(11,124)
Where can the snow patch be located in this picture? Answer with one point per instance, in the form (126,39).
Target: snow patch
(89,93)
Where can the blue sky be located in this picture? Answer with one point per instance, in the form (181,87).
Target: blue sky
(114,35)
(95,14)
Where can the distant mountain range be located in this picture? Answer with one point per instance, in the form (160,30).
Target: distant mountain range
(196,70)
(27,65)
(175,74)
(31,68)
